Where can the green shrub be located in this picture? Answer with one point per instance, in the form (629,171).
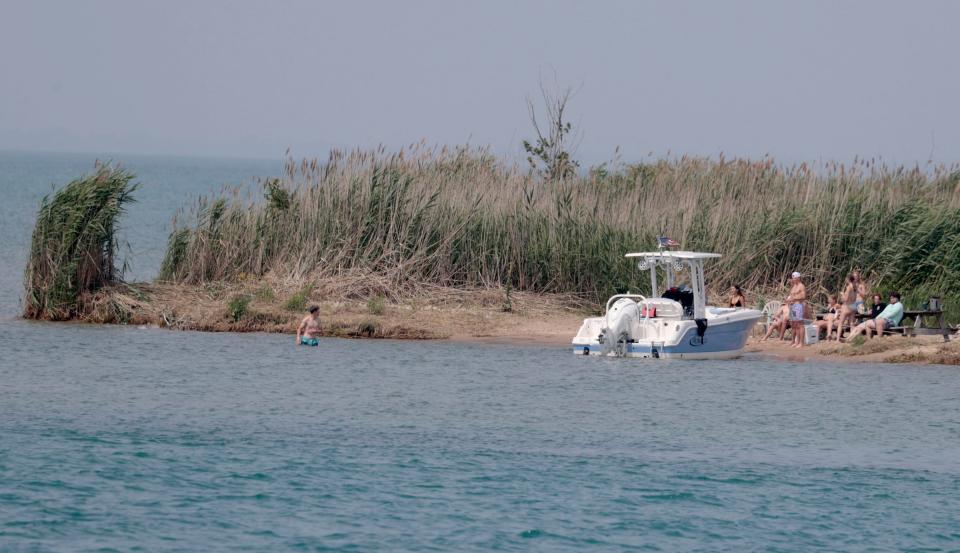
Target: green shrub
(238,307)
(278,198)
(74,243)
(507,306)
(299,300)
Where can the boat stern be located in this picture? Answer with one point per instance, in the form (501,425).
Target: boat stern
(587,340)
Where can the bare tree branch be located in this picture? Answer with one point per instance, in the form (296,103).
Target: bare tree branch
(552,153)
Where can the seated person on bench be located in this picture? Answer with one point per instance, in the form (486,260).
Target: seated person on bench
(829,316)
(891,316)
(877,307)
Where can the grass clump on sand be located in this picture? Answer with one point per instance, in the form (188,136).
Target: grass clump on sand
(368,329)
(265,293)
(863,346)
(298,301)
(424,218)
(376,305)
(73,248)
(238,307)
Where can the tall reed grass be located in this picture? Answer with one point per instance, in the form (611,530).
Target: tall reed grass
(460,217)
(72,252)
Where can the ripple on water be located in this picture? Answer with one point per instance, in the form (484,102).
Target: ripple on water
(265,447)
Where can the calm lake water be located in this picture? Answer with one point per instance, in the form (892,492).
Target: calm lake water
(122,439)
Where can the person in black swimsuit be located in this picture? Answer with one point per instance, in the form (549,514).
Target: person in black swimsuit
(736,297)
(878,306)
(830,316)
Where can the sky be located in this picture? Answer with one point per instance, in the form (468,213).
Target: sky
(800,81)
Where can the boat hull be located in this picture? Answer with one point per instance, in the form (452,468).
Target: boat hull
(724,337)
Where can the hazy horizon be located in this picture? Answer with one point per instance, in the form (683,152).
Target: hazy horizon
(808,82)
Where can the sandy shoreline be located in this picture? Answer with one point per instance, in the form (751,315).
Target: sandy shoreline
(482,316)
(891,349)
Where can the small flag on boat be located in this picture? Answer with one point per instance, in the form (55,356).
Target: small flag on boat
(666,242)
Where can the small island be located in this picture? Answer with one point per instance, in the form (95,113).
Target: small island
(453,243)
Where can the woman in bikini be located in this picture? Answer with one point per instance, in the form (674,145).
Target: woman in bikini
(830,316)
(850,308)
(861,302)
(736,297)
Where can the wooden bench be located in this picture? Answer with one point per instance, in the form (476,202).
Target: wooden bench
(918,326)
(902,330)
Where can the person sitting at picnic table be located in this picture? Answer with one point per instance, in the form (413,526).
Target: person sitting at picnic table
(877,307)
(891,316)
(829,316)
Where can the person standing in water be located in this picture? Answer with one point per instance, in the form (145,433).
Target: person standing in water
(309,329)
(797,301)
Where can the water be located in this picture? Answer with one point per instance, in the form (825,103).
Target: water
(168,184)
(122,439)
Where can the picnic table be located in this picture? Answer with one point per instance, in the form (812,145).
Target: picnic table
(919,322)
(919,325)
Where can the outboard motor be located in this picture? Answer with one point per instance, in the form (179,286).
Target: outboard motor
(619,320)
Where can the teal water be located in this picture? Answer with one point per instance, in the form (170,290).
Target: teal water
(127,439)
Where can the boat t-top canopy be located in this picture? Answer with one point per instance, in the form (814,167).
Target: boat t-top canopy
(673,262)
(676,255)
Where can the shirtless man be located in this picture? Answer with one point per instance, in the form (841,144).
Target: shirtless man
(309,328)
(797,299)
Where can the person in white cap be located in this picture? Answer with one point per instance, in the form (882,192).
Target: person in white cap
(797,300)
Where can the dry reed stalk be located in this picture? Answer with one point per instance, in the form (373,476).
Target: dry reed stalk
(460,217)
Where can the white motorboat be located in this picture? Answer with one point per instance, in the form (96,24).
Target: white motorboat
(676,323)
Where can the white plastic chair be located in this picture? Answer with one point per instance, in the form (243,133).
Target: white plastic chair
(770,310)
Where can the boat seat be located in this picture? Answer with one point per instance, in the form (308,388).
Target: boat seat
(666,308)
